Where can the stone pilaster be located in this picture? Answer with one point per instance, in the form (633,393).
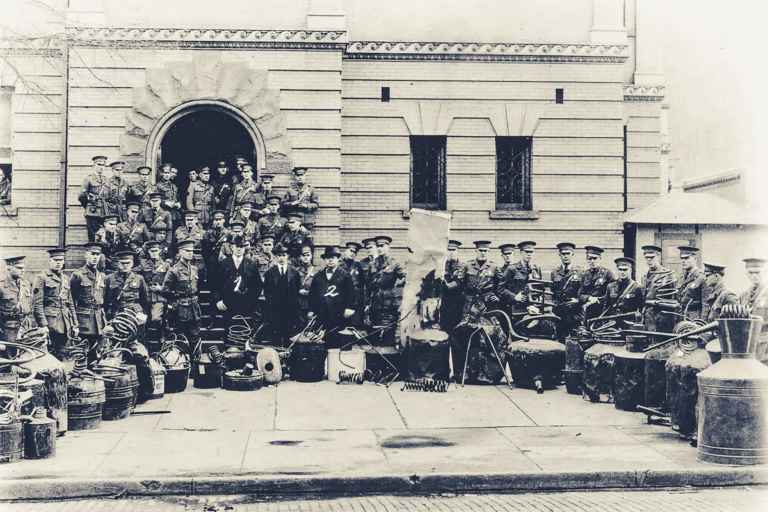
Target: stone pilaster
(608,22)
(326,15)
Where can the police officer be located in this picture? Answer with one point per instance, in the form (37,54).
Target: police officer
(594,283)
(293,236)
(153,269)
(367,264)
(690,284)
(181,289)
(201,197)
(660,289)
(159,222)
(756,299)
(623,295)
(53,307)
(109,239)
(301,198)
(452,299)
(132,233)
(515,288)
(717,294)
(306,270)
(355,270)
(478,283)
(387,283)
(93,196)
(15,299)
(117,188)
(139,192)
(271,223)
(566,281)
(87,285)
(507,288)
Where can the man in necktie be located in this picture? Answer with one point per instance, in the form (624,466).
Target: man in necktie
(332,297)
(566,280)
(281,294)
(238,284)
(594,283)
(690,284)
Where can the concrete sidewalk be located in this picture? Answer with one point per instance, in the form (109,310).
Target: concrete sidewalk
(325,437)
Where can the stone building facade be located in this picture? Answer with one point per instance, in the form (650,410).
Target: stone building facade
(518,139)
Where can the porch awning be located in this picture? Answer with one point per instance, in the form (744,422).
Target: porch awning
(679,207)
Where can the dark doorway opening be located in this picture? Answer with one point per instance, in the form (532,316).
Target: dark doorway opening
(203,138)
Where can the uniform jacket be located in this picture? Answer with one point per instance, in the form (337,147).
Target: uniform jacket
(329,297)
(201,199)
(222,192)
(170,194)
(154,273)
(181,281)
(5,191)
(242,193)
(139,193)
(52,302)
(565,283)
(293,240)
(756,298)
(301,200)
(88,288)
(15,299)
(133,235)
(623,297)
(387,282)
(194,233)
(594,283)
(126,291)
(367,267)
(716,298)
(159,224)
(250,227)
(479,282)
(513,278)
(237,287)
(93,195)
(690,289)
(271,224)
(212,242)
(110,243)
(116,191)
(355,271)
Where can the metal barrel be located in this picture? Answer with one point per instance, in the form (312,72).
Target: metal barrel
(39,437)
(574,363)
(537,363)
(120,393)
(11,441)
(682,388)
(86,397)
(234,380)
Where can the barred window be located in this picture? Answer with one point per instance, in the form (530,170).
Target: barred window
(513,173)
(428,172)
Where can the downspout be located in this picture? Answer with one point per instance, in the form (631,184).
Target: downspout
(63,178)
(626,172)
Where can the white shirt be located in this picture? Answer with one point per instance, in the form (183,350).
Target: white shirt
(237,260)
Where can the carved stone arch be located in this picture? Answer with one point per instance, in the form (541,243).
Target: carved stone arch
(207,82)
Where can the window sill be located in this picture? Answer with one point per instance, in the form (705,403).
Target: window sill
(6,210)
(514,214)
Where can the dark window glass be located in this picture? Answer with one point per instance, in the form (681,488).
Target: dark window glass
(5,183)
(513,173)
(428,172)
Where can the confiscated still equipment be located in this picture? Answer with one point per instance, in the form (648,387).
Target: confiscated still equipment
(629,374)
(574,362)
(86,395)
(121,385)
(39,436)
(11,429)
(733,396)
(537,363)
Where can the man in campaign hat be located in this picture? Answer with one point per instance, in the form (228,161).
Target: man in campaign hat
(624,295)
(690,284)
(181,288)
(566,281)
(659,284)
(15,298)
(52,304)
(301,198)
(93,196)
(594,283)
(87,285)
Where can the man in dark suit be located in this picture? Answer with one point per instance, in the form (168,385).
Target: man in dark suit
(238,283)
(281,291)
(332,296)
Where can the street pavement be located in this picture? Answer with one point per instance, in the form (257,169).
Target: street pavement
(700,500)
(347,438)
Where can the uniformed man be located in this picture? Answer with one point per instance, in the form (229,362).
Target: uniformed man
(169,195)
(355,270)
(222,187)
(660,290)
(263,192)
(213,240)
(452,299)
(93,196)
(594,283)
(240,163)
(181,289)
(306,270)
(52,304)
(236,228)
(132,233)
(387,283)
(238,284)
(191,230)
(264,259)
(158,222)
(153,269)
(109,239)
(201,197)
(281,292)
(332,297)
(514,288)
(478,282)
(244,192)
(566,281)
(15,299)
(690,284)
(271,223)
(117,189)
(756,298)
(301,198)
(250,226)
(623,295)
(126,290)
(293,236)
(139,191)
(717,294)
(87,285)
(504,279)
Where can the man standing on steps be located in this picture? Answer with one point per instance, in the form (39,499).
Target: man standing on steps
(153,269)
(281,293)
(159,223)
(93,196)
(53,307)
(117,189)
(132,233)
(181,290)
(139,191)
(238,285)
(109,239)
(88,289)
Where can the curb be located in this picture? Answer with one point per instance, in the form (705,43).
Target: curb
(54,489)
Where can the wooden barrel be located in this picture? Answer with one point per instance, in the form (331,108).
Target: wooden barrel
(11,441)
(86,397)
(537,363)
(307,362)
(120,389)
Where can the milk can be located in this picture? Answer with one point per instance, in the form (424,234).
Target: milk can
(733,395)
(39,436)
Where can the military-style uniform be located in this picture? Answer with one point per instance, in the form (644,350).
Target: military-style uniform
(387,291)
(512,279)
(690,289)
(196,235)
(133,236)
(211,245)
(250,227)
(170,196)
(478,283)
(306,273)
(623,296)
(160,227)
(88,290)
(153,272)
(139,193)
(756,298)
(716,298)
(565,294)
(271,224)
(201,199)
(452,298)
(117,188)
(659,284)
(302,200)
(110,242)
(594,283)
(183,311)
(294,240)
(242,193)
(54,308)
(126,291)
(222,192)
(93,197)
(15,306)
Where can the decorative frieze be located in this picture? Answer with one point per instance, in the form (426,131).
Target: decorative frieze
(644,92)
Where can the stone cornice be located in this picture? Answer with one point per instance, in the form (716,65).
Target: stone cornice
(548,53)
(206,38)
(644,92)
